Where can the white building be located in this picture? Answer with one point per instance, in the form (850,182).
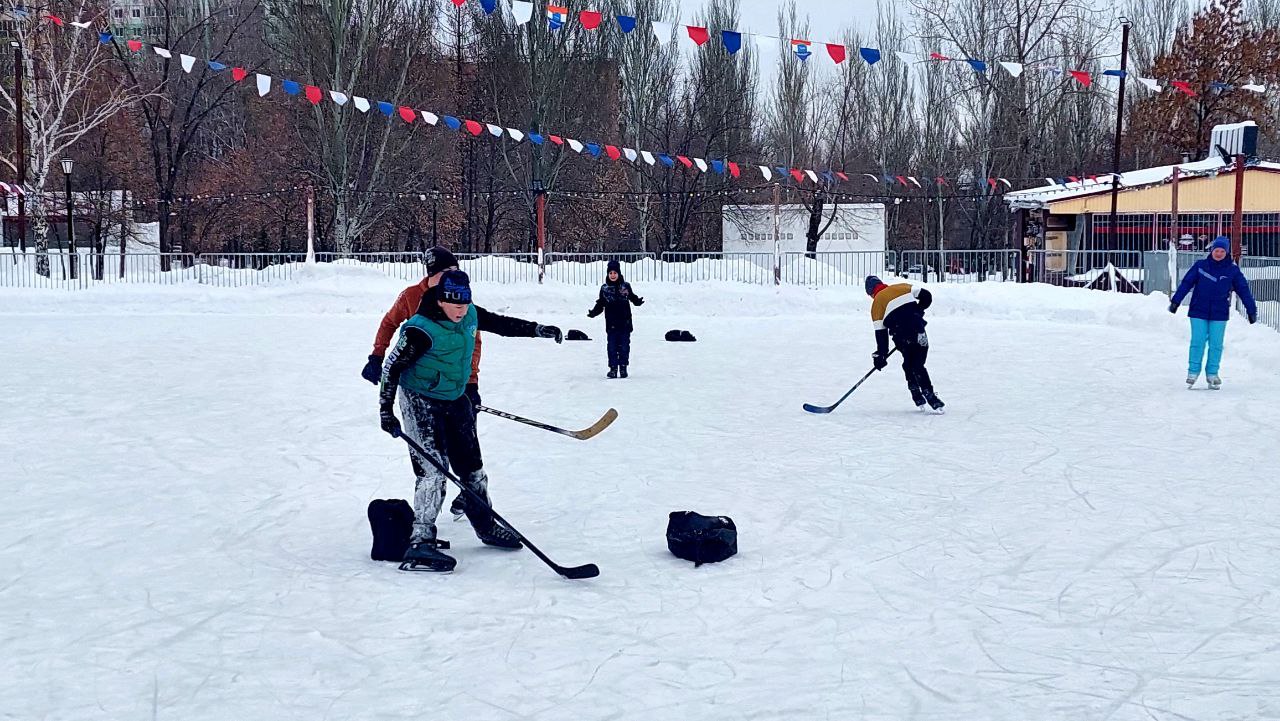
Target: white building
(856,226)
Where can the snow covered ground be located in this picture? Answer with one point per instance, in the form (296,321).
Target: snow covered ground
(185,473)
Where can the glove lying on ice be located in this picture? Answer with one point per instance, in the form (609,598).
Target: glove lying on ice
(549,331)
(879,360)
(373,369)
(390,424)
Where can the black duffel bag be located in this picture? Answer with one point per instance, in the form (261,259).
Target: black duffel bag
(701,539)
(392,523)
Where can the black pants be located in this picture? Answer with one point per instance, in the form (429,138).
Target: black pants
(619,347)
(447,431)
(915,351)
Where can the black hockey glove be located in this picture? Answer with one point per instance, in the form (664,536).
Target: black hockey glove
(879,360)
(1253,318)
(373,370)
(390,424)
(639,301)
(1173,307)
(473,392)
(593,313)
(549,331)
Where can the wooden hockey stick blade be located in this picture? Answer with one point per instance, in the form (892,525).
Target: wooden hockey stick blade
(598,427)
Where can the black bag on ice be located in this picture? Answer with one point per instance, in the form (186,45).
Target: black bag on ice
(701,539)
(392,523)
(576,335)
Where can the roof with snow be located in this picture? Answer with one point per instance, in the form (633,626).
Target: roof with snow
(1059,191)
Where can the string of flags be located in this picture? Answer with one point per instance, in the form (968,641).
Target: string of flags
(803,49)
(12,189)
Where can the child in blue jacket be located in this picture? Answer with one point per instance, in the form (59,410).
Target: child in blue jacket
(1210,283)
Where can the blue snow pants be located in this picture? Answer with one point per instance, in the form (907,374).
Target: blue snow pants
(1206,332)
(619,347)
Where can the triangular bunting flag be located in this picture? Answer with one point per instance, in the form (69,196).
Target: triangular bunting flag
(82,26)
(912,178)
(575,145)
(104,37)
(458,3)
(522,11)
(1254,88)
(216,66)
(613,152)
(766,173)
(1014,69)
(362,104)
(136,46)
(648,157)
(734,170)
(798,175)
(494,130)
(684,161)
(590,19)
(718,166)
(901,180)
(1151,84)
(489,6)
(939,56)
(238,74)
(1115,73)
(556,139)
(386,108)
(1220,87)
(697,34)
(874,179)
(593,149)
(906,58)
(626,23)
(337,97)
(516,135)
(666,160)
(429,118)
(54,19)
(162,52)
(836,52)
(732,40)
(802,49)
(292,87)
(406,114)
(662,31)
(977,65)
(630,154)
(474,128)
(871,55)
(264,82)
(314,94)
(1183,86)
(536,138)
(702,164)
(557,16)
(1081,77)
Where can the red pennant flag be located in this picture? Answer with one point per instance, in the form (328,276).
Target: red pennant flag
(842,176)
(1082,77)
(797,174)
(941,180)
(733,169)
(135,45)
(938,56)
(238,74)
(901,179)
(992,183)
(836,52)
(612,152)
(407,114)
(684,161)
(698,35)
(459,3)
(55,20)
(1073,178)
(314,94)
(1184,87)
(556,139)
(474,128)
(590,19)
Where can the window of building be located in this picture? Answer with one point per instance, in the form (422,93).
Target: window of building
(118,13)
(137,12)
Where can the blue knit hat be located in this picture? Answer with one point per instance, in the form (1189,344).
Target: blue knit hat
(455,287)
(1221,241)
(872,283)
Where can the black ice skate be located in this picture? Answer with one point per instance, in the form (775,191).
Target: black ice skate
(935,403)
(622,371)
(613,372)
(918,398)
(426,557)
(490,532)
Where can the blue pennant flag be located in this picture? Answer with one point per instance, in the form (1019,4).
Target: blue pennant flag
(782,171)
(977,65)
(830,176)
(888,179)
(291,87)
(667,160)
(452,122)
(627,23)
(536,138)
(718,166)
(386,108)
(593,149)
(216,66)
(104,38)
(489,6)
(871,55)
(732,41)
(1115,73)
(1221,87)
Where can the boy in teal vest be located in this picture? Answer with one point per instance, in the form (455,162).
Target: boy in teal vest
(430,366)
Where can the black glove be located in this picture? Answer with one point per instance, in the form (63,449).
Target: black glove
(390,424)
(549,331)
(1253,318)
(639,301)
(592,313)
(473,392)
(373,370)
(1173,307)
(879,360)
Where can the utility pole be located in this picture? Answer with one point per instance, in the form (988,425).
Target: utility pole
(1113,235)
(311,224)
(777,234)
(20,142)
(1237,220)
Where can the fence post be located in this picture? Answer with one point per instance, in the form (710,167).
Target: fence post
(311,224)
(540,203)
(777,235)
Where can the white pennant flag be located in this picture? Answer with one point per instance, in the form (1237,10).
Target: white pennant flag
(188,62)
(429,118)
(906,58)
(648,157)
(575,144)
(516,135)
(522,11)
(162,52)
(917,182)
(812,175)
(768,174)
(663,31)
(82,26)
(1015,69)
(494,130)
(339,98)
(1254,88)
(1151,83)
(264,81)
(362,104)
(631,154)
(702,164)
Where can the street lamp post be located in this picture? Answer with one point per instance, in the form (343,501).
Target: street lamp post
(67,165)
(20,143)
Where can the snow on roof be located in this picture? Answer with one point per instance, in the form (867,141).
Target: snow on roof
(1040,197)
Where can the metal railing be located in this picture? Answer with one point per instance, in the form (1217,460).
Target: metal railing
(961,266)
(1082,268)
(839,268)
(237,270)
(21,270)
(700,267)
(1263,275)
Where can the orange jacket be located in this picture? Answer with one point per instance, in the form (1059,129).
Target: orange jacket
(405,306)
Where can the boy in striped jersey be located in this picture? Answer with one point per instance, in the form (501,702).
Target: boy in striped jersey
(897,311)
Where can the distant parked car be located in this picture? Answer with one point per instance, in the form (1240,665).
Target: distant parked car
(917,269)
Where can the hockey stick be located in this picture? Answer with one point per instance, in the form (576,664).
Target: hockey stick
(827,409)
(589,570)
(587,433)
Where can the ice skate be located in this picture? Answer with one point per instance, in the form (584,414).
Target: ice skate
(1215,383)
(935,403)
(459,507)
(613,372)
(1191,380)
(425,556)
(622,371)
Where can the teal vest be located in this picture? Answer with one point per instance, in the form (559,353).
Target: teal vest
(443,372)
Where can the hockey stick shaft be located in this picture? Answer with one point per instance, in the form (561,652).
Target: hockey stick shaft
(827,409)
(589,570)
(591,432)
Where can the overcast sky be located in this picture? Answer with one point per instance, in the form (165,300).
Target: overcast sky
(827,18)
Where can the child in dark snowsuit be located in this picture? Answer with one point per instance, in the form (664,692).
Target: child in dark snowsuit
(615,302)
(897,311)
(1211,281)
(430,366)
